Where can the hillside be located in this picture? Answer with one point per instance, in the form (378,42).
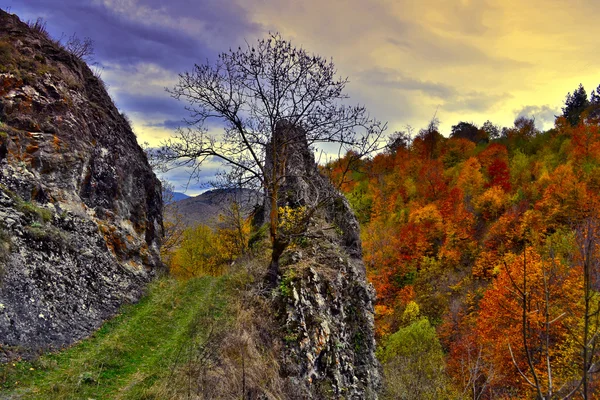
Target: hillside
(139,354)
(205,208)
(448,263)
(491,236)
(81,209)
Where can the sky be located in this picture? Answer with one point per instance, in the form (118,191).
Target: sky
(406,60)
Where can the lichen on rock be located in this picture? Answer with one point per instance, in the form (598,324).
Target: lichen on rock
(324,305)
(79,204)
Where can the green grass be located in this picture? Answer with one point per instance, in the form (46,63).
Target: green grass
(133,352)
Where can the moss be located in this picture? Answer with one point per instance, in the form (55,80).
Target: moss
(47,234)
(258,237)
(5,53)
(39,213)
(291,338)
(286,285)
(358,340)
(5,249)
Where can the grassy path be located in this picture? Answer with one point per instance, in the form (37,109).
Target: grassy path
(130,354)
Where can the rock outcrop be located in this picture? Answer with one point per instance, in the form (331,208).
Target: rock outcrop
(80,208)
(324,303)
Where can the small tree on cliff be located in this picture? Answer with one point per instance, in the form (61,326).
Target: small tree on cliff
(254,92)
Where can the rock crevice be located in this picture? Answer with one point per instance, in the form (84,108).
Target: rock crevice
(324,303)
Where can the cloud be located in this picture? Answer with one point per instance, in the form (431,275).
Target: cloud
(435,48)
(450,98)
(193,183)
(130,31)
(388,78)
(475,101)
(167,124)
(469,60)
(544,115)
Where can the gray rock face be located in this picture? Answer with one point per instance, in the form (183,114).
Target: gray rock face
(325,305)
(80,208)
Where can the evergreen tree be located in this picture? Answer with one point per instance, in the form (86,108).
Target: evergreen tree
(575,104)
(595,96)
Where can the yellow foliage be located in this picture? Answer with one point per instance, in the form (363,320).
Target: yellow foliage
(411,313)
(491,203)
(197,255)
(429,218)
(292,220)
(204,252)
(487,265)
(428,214)
(470,179)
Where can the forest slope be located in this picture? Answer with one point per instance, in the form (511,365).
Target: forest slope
(492,235)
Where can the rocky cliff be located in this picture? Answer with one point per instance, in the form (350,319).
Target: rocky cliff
(324,304)
(80,208)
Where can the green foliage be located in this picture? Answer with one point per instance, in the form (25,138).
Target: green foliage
(413,363)
(5,55)
(361,201)
(430,280)
(5,249)
(258,238)
(286,284)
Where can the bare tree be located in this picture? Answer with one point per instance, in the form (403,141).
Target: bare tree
(80,48)
(587,242)
(255,92)
(174,224)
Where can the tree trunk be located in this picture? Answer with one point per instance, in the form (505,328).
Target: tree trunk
(273,271)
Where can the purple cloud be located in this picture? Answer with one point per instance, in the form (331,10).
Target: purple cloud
(125,39)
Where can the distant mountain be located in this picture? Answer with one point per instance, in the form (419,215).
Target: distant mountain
(206,207)
(177,196)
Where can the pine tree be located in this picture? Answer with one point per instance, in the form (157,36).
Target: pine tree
(575,104)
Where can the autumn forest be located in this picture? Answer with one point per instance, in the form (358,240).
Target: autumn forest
(486,244)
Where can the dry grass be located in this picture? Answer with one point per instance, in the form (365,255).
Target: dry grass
(236,361)
(39,26)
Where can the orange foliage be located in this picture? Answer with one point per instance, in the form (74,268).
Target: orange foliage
(447,228)
(512,319)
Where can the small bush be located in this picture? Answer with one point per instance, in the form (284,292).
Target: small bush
(5,53)
(80,48)
(39,26)
(413,362)
(5,249)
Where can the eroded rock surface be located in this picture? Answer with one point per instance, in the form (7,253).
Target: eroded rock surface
(325,305)
(80,208)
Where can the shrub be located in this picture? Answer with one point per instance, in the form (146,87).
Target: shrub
(413,362)
(5,53)
(5,248)
(39,26)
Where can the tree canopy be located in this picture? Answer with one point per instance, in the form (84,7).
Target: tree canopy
(255,91)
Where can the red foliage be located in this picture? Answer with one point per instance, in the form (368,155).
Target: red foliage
(499,175)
